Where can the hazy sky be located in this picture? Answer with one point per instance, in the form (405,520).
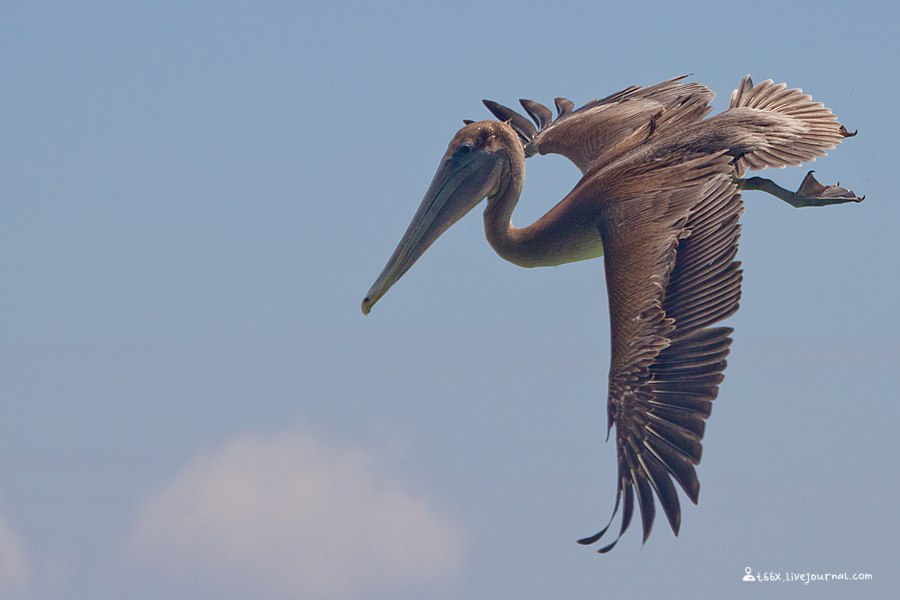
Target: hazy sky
(195,198)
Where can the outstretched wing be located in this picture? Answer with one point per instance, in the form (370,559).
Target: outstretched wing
(671,274)
(603,129)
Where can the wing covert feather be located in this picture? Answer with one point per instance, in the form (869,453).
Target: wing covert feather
(604,129)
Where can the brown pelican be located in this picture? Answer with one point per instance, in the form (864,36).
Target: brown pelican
(660,196)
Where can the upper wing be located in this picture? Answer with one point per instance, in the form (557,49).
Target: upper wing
(671,274)
(603,129)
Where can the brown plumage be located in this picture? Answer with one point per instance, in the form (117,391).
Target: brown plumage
(660,197)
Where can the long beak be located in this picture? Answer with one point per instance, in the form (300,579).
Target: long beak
(457,187)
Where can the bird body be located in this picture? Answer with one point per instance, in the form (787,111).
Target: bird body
(660,197)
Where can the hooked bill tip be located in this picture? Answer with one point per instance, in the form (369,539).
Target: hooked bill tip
(366,305)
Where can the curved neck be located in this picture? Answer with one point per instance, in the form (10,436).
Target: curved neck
(508,241)
(564,234)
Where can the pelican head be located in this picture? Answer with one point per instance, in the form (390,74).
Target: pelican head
(471,170)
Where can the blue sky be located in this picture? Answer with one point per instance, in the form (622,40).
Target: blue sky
(194,200)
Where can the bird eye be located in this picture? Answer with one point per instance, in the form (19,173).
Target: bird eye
(465,148)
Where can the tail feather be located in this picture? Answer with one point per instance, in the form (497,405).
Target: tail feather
(797,128)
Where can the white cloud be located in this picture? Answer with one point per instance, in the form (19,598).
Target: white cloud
(14,575)
(296,514)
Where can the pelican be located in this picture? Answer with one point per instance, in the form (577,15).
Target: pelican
(660,197)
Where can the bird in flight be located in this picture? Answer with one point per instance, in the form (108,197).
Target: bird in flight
(660,198)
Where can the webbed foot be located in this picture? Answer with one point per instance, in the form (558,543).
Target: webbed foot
(813,193)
